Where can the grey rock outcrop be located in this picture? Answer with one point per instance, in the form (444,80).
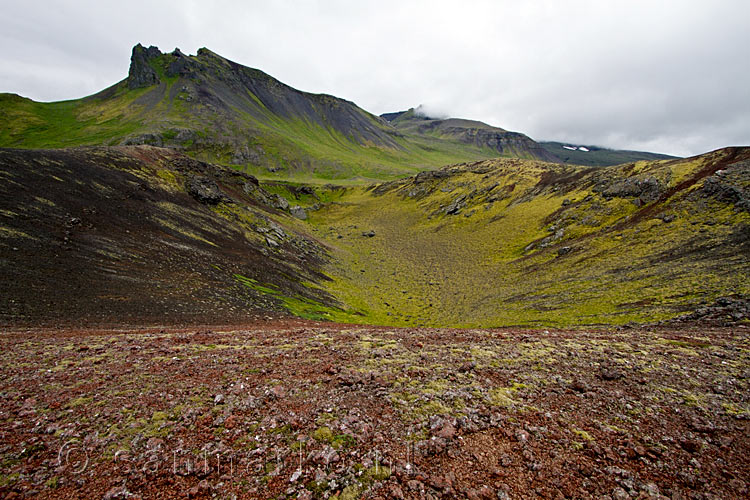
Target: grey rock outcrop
(280,202)
(141,73)
(715,187)
(646,190)
(180,65)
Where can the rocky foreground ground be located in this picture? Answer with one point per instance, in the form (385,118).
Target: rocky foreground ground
(305,410)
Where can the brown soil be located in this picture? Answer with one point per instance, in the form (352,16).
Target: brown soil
(374,412)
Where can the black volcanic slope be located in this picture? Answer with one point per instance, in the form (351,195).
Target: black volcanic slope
(144,235)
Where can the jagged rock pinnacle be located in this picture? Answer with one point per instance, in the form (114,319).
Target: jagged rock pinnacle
(180,63)
(141,73)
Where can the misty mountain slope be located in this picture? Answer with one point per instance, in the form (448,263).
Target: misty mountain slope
(511,241)
(512,144)
(476,133)
(142,235)
(217,110)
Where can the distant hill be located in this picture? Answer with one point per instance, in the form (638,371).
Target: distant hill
(596,156)
(470,132)
(480,134)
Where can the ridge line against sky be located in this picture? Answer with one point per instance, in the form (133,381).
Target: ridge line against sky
(669,76)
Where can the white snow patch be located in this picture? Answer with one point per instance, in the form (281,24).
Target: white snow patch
(581,148)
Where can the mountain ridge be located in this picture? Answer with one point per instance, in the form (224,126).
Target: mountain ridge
(218,110)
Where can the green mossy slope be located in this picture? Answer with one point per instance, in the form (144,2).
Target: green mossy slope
(514,242)
(132,234)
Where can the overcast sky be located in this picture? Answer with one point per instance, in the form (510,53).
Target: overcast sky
(665,76)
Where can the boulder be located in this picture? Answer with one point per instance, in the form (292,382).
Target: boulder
(454,208)
(280,202)
(645,190)
(205,190)
(298,212)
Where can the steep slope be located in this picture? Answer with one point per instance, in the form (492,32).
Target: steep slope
(220,111)
(475,133)
(597,156)
(511,241)
(142,235)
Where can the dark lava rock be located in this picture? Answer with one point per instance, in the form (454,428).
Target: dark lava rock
(369,234)
(117,492)
(180,64)
(148,139)
(394,491)
(668,218)
(564,250)
(522,436)
(467,367)
(349,378)
(455,206)
(431,174)
(502,495)
(579,385)
(645,190)
(715,187)
(690,445)
(726,310)
(441,483)
(308,190)
(443,428)
(141,73)
(205,190)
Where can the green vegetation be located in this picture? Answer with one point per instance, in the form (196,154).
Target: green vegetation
(323,434)
(498,260)
(337,441)
(583,434)
(298,305)
(90,121)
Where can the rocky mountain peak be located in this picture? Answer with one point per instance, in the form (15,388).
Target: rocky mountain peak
(179,65)
(141,73)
